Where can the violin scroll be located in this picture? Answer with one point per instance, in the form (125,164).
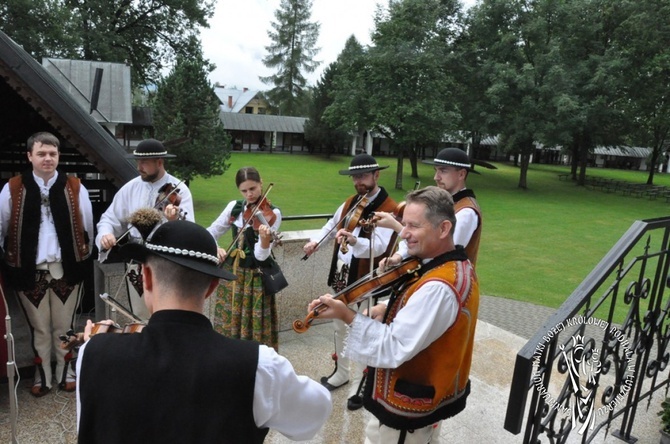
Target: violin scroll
(300,326)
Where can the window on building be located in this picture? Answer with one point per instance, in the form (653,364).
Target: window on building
(249,110)
(261,110)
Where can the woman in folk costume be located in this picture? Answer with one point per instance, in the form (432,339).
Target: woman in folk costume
(242,307)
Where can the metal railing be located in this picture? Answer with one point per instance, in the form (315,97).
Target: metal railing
(604,353)
(307,217)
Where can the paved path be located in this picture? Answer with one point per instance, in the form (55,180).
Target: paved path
(521,318)
(505,326)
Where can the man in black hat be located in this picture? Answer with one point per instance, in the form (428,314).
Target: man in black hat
(180,381)
(353,262)
(452,166)
(150,189)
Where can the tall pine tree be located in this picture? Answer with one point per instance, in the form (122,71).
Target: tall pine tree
(187,110)
(291,53)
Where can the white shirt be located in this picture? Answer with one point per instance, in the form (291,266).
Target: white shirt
(48,249)
(131,197)
(380,239)
(428,314)
(222,224)
(293,405)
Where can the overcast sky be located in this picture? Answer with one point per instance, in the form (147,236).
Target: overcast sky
(236,39)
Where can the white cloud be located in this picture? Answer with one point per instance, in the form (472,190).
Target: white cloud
(236,39)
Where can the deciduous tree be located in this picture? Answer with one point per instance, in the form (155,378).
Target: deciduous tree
(408,81)
(146,34)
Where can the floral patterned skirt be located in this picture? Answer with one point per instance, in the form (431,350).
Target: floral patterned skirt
(243,311)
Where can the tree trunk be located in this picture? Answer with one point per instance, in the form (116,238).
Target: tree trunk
(585,145)
(574,157)
(398,175)
(523,172)
(413,162)
(655,154)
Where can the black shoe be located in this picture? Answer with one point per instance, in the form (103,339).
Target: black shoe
(354,403)
(330,387)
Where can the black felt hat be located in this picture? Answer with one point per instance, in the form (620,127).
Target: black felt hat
(362,163)
(150,149)
(184,243)
(455,157)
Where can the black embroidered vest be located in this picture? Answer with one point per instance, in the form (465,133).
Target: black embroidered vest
(23,233)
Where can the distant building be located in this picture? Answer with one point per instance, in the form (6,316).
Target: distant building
(109,102)
(244,101)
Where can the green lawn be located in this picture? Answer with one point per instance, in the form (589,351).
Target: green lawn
(537,246)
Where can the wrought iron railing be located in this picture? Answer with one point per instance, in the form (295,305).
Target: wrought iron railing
(604,353)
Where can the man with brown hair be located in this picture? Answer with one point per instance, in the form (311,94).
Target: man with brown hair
(418,348)
(46,222)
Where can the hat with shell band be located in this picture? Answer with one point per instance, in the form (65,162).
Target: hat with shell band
(362,163)
(184,243)
(150,149)
(455,157)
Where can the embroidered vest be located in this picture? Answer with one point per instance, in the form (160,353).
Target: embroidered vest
(466,199)
(360,266)
(23,233)
(435,384)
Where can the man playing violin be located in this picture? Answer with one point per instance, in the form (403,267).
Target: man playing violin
(46,223)
(145,191)
(348,265)
(418,348)
(452,166)
(178,380)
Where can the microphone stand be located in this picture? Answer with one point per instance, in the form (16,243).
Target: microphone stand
(11,369)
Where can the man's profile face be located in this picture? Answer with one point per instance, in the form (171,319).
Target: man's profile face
(365,182)
(44,159)
(449,178)
(149,169)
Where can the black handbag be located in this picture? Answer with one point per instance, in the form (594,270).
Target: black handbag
(273,278)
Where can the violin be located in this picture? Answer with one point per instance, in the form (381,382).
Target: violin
(363,202)
(256,215)
(169,194)
(370,285)
(352,221)
(397,214)
(262,214)
(71,339)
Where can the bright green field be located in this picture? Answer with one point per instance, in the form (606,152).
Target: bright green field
(537,246)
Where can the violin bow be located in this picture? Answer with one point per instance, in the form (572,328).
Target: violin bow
(349,213)
(120,308)
(246,223)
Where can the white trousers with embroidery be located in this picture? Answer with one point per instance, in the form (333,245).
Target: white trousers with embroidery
(50,319)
